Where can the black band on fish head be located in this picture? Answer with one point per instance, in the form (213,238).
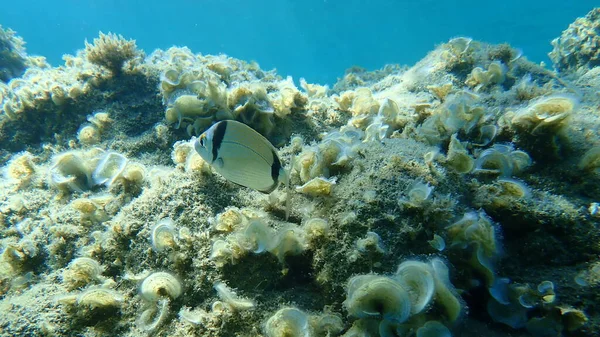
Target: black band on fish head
(218,135)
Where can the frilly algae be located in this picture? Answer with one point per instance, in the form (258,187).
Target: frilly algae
(90,133)
(545,115)
(160,285)
(112,51)
(95,298)
(254,235)
(163,235)
(82,271)
(477,232)
(106,206)
(391,304)
(372,296)
(501,160)
(158,290)
(290,321)
(229,297)
(14,57)
(416,277)
(80,171)
(336,151)
(207,93)
(575,49)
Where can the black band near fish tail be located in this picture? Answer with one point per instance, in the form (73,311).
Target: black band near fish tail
(218,136)
(275,170)
(275,167)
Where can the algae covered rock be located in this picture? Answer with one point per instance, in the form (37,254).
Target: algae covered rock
(405,216)
(12,55)
(578,47)
(112,52)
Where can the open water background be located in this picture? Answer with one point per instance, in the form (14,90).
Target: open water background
(314,39)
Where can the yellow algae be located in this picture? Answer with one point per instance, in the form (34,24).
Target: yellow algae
(22,168)
(458,158)
(409,149)
(545,114)
(163,235)
(100,298)
(228,221)
(160,285)
(88,135)
(288,322)
(379,297)
(234,301)
(317,187)
(112,51)
(416,277)
(82,271)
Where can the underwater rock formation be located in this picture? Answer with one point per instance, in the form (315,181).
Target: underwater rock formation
(578,46)
(430,200)
(13,58)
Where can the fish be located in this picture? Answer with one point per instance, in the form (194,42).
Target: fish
(242,155)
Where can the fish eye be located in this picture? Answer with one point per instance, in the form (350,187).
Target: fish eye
(202,141)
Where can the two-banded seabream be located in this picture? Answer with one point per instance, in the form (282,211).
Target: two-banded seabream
(241,155)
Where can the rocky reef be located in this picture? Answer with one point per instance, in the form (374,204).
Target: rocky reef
(459,196)
(579,45)
(13,58)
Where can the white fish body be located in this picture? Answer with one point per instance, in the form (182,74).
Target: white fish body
(241,155)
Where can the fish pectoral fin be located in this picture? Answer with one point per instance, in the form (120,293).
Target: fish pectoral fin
(219,163)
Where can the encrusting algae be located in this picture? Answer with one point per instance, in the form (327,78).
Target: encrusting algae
(429,200)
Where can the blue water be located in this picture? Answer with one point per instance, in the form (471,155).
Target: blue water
(314,39)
